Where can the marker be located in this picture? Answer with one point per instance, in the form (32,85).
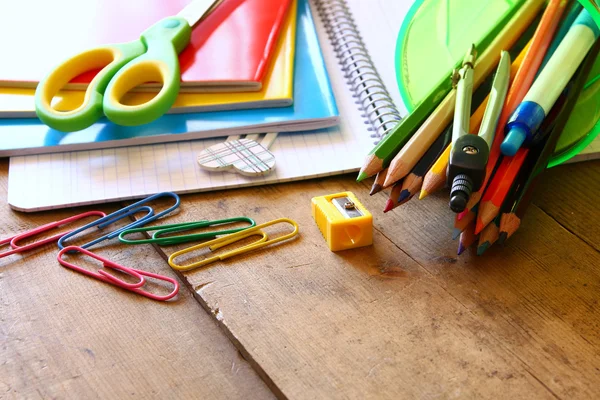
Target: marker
(522,127)
(470,153)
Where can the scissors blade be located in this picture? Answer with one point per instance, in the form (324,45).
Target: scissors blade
(198,9)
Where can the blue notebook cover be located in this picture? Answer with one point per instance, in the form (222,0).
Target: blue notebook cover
(314,108)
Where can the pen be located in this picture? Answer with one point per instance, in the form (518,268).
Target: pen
(522,127)
(470,153)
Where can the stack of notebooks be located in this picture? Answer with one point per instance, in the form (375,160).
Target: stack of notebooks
(252,67)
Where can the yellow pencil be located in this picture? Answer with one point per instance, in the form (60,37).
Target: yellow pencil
(435,178)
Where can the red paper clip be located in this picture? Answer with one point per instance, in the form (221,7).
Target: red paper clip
(19,249)
(105,277)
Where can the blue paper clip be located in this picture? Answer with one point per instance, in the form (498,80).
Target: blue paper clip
(120,214)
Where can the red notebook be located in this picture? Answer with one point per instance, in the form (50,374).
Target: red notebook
(230,49)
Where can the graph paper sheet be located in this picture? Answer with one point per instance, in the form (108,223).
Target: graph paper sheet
(49,181)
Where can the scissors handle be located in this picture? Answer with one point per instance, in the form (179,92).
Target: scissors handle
(109,59)
(160,63)
(124,66)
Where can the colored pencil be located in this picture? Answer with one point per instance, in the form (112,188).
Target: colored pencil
(392,201)
(510,221)
(461,224)
(524,124)
(468,216)
(383,153)
(378,184)
(521,84)
(435,178)
(414,180)
(423,138)
(467,238)
(488,236)
(512,167)
(491,233)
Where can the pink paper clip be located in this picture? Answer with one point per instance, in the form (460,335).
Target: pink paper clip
(21,236)
(105,277)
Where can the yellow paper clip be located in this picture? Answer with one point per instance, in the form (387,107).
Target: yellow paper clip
(232,238)
(343,221)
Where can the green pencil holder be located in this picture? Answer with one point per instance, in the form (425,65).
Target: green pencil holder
(457,23)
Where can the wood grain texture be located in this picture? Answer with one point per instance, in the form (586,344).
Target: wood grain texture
(404,318)
(571,194)
(64,335)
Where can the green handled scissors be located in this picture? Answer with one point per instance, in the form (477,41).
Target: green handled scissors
(152,58)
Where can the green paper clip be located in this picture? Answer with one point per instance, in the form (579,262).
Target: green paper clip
(183,227)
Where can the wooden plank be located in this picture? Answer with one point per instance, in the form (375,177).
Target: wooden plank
(404,318)
(64,335)
(570,194)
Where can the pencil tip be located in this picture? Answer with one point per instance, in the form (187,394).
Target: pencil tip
(502,238)
(456,233)
(461,248)
(403,195)
(388,206)
(479,225)
(423,194)
(376,188)
(461,215)
(483,247)
(361,176)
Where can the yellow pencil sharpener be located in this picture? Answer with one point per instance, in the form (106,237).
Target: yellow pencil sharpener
(344,222)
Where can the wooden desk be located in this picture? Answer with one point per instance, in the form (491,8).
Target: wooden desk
(404,318)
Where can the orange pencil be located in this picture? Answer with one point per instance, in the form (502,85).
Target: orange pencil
(525,75)
(498,188)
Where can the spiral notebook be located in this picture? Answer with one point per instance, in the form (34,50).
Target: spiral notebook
(362,75)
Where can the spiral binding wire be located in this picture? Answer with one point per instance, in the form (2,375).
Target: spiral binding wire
(360,73)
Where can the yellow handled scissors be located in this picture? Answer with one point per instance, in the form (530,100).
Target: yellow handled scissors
(152,58)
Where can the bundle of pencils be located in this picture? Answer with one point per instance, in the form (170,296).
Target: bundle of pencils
(491,151)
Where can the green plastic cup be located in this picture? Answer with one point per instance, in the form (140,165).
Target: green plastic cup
(457,27)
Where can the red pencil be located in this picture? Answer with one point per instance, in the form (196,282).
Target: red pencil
(392,201)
